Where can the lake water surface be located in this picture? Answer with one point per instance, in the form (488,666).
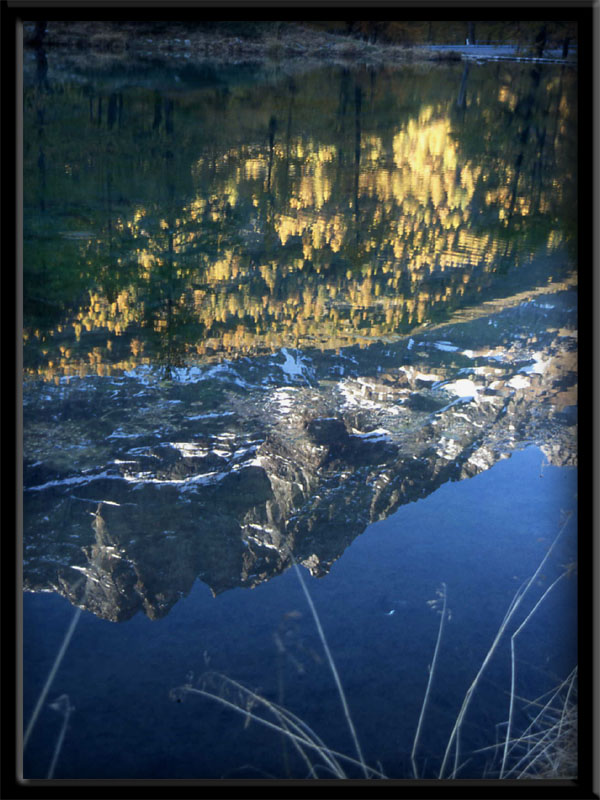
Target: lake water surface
(283,329)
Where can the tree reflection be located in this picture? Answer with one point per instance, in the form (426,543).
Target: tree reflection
(164,226)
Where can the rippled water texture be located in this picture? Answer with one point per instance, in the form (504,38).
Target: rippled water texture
(276,318)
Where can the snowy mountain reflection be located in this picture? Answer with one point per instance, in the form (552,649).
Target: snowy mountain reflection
(259,318)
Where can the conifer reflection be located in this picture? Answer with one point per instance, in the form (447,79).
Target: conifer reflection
(170,226)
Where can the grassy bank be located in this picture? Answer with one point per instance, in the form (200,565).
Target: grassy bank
(230,42)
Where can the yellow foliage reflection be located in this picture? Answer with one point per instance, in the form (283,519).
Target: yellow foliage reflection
(304,243)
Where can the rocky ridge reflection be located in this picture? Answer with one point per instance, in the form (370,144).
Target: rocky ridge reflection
(137,486)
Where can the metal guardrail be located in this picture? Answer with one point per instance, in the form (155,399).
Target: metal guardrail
(492,52)
(481,57)
(572,46)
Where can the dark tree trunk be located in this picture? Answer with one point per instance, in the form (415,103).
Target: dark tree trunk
(461,101)
(42,66)
(40,32)
(157,111)
(540,41)
(169,116)
(357,140)
(113,106)
(272,129)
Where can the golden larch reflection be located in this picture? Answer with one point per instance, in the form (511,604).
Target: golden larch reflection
(327,258)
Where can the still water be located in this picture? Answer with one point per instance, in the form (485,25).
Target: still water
(286,330)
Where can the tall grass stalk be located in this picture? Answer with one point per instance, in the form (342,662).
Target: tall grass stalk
(427,691)
(454,739)
(548,738)
(550,735)
(513,667)
(288,725)
(334,671)
(64,706)
(51,676)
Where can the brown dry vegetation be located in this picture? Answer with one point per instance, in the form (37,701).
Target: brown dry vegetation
(366,40)
(233,43)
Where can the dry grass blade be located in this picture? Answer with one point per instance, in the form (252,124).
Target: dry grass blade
(454,739)
(428,689)
(51,675)
(550,740)
(334,671)
(546,748)
(513,667)
(288,725)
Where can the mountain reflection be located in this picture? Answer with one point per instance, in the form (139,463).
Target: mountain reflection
(224,475)
(180,226)
(259,317)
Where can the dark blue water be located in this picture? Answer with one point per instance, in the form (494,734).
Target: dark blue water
(482,537)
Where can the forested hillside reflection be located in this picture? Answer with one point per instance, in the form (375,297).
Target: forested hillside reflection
(208,219)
